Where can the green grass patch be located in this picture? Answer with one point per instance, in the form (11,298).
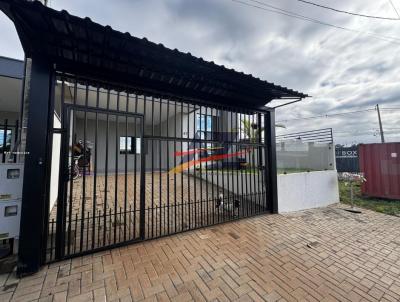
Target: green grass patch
(390,207)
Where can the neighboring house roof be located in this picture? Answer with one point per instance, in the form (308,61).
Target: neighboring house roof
(11,68)
(83,47)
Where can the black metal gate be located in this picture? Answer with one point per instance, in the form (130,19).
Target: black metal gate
(100,191)
(136,167)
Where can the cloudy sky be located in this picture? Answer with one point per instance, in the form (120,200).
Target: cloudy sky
(344,70)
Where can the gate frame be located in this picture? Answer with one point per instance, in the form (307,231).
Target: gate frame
(64,177)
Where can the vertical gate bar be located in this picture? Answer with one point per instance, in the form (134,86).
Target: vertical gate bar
(201,164)
(210,138)
(188,159)
(152,166)
(207,184)
(216,139)
(167,174)
(160,163)
(227,144)
(220,113)
(249,168)
(71,180)
(98,227)
(106,171)
(243,138)
(84,167)
(267,165)
(237,164)
(135,164)
(217,144)
(260,162)
(239,172)
(141,184)
(116,170)
(5,129)
(87,229)
(247,176)
(257,165)
(142,181)
(251,156)
(175,136)
(231,186)
(181,172)
(95,168)
(130,224)
(233,159)
(126,163)
(253,165)
(194,167)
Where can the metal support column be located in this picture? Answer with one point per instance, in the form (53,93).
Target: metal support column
(271,171)
(33,213)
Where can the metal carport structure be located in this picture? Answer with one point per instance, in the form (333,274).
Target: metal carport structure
(88,74)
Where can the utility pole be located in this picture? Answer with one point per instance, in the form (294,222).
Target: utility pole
(380,123)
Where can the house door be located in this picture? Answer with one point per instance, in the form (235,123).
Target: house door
(101,182)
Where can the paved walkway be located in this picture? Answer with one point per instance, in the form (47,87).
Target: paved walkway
(318,255)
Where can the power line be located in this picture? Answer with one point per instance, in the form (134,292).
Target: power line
(395,108)
(287,13)
(327,115)
(394,7)
(347,12)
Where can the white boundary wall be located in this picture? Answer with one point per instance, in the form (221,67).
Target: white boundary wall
(301,191)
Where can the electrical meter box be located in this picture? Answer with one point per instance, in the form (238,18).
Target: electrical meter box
(11,180)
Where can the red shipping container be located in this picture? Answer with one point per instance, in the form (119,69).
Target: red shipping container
(380,164)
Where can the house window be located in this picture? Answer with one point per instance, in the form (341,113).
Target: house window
(129,145)
(204,125)
(5,140)
(125,145)
(204,129)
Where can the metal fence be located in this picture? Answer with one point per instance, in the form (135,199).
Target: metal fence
(347,159)
(316,136)
(305,151)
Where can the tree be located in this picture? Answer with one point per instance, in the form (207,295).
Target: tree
(253,131)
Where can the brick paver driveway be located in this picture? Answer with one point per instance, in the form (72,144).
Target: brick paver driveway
(319,255)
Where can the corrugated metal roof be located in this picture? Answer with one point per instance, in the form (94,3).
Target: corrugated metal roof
(81,46)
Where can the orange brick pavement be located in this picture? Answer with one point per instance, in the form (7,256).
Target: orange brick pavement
(324,254)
